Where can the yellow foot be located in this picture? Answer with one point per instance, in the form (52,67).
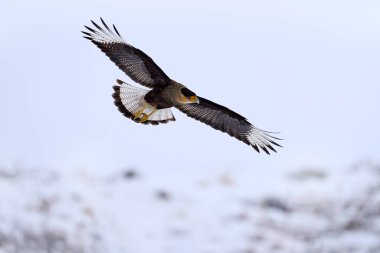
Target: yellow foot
(143,116)
(140,113)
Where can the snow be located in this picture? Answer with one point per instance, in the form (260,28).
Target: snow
(145,210)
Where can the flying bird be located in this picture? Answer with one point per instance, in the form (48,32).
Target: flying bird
(154,106)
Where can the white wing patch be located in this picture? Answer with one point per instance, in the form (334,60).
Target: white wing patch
(258,137)
(105,36)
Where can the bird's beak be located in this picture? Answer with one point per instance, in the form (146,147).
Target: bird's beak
(194,99)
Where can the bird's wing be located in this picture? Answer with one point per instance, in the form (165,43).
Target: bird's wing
(134,62)
(223,119)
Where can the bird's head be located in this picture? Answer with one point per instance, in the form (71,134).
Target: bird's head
(188,97)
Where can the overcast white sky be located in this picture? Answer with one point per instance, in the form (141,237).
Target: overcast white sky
(309,69)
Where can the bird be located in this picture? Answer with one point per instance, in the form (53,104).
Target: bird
(152,106)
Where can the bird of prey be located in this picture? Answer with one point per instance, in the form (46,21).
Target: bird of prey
(153,106)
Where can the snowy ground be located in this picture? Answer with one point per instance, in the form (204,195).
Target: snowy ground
(153,211)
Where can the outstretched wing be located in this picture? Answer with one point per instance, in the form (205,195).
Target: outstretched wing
(134,62)
(223,119)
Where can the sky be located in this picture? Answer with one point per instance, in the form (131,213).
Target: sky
(306,69)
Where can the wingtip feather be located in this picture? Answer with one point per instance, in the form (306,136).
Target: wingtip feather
(90,29)
(265,149)
(119,81)
(271,148)
(114,27)
(255,147)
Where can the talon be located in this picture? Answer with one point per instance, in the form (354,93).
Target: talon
(140,113)
(137,115)
(144,117)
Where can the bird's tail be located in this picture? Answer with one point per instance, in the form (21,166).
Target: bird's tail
(131,103)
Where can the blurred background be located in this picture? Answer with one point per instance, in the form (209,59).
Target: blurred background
(76,176)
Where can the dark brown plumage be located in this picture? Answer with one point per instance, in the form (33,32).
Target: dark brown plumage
(153,106)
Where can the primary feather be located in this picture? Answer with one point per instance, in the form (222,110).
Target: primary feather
(135,63)
(156,103)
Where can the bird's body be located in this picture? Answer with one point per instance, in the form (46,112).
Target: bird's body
(153,106)
(167,96)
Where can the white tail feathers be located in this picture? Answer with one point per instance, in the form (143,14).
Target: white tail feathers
(130,101)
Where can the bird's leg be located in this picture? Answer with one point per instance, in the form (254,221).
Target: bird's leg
(145,116)
(140,112)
